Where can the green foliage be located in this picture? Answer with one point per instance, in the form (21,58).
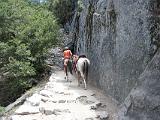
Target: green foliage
(26,33)
(20,68)
(2,110)
(18,86)
(80,6)
(63,9)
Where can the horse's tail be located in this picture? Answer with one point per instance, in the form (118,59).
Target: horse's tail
(85,69)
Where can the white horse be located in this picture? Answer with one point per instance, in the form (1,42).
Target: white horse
(82,66)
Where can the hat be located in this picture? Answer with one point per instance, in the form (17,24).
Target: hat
(66,48)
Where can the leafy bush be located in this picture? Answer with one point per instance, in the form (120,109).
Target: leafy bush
(27,31)
(80,6)
(62,9)
(2,110)
(26,34)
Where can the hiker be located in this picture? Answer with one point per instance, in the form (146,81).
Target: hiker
(67,54)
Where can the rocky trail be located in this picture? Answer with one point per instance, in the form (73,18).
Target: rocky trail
(62,100)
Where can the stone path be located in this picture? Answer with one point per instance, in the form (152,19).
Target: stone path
(62,100)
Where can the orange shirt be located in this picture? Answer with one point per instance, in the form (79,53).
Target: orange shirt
(67,54)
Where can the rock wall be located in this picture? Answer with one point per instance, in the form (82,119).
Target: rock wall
(115,36)
(123,45)
(143,102)
(120,37)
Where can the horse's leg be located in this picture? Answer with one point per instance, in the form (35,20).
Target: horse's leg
(65,71)
(66,67)
(85,81)
(85,75)
(70,66)
(79,76)
(85,85)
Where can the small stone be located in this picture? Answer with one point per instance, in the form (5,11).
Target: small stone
(89,102)
(103,106)
(34,99)
(66,111)
(103,115)
(67,93)
(48,112)
(5,118)
(93,107)
(41,109)
(54,101)
(89,119)
(26,110)
(71,101)
(81,98)
(46,93)
(14,117)
(44,99)
(98,104)
(48,87)
(56,111)
(62,101)
(93,94)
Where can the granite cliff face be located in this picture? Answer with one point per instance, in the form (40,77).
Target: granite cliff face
(121,38)
(143,102)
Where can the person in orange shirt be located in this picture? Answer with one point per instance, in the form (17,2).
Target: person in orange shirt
(67,54)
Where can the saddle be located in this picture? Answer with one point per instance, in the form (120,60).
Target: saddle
(75,62)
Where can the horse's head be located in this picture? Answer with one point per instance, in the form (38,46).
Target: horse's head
(75,58)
